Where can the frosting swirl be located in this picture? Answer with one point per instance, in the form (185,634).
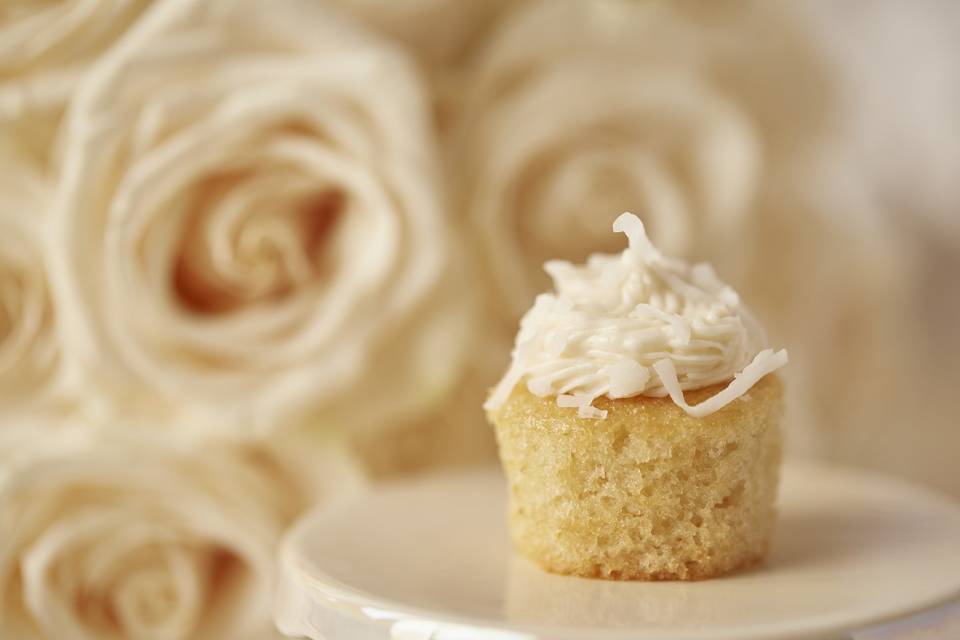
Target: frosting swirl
(638,323)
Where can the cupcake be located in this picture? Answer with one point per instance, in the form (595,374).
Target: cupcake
(638,423)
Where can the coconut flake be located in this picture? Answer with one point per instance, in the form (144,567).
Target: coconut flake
(764,363)
(584,405)
(627,378)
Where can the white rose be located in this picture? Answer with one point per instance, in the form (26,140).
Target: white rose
(250,223)
(576,123)
(45,48)
(137,539)
(29,350)
(581,110)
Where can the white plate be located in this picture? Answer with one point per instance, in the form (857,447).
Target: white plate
(430,560)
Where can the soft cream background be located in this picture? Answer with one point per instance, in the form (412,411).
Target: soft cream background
(844,233)
(189,190)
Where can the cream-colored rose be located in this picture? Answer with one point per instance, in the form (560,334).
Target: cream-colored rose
(138,539)
(250,223)
(579,114)
(45,48)
(29,349)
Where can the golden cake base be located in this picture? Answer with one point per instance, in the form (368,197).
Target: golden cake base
(650,492)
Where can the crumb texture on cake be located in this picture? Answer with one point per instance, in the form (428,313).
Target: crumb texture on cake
(648,493)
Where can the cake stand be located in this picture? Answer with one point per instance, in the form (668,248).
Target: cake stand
(856,555)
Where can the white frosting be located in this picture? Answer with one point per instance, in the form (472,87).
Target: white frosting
(637,323)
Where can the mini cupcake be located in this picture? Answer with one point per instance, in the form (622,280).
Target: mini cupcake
(638,423)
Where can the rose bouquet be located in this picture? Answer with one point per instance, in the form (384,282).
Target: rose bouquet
(252,253)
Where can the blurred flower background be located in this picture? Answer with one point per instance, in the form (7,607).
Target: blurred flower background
(256,254)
